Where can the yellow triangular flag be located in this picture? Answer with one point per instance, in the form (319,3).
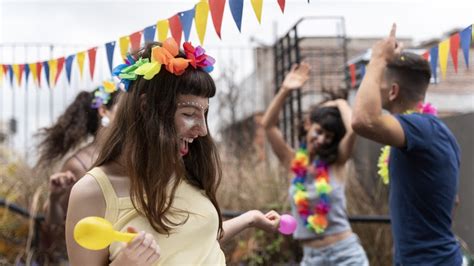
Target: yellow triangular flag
(443,51)
(1,75)
(34,72)
(53,70)
(162,26)
(16,72)
(124,45)
(257,8)
(80,61)
(200,18)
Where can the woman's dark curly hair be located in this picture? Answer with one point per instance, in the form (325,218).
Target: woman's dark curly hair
(74,126)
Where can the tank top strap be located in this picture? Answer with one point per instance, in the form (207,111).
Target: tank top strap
(111,200)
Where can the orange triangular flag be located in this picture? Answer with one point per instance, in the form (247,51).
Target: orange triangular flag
(17,71)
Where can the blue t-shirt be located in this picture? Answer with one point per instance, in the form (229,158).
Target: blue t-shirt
(423,187)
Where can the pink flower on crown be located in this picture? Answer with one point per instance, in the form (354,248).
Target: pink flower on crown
(198,57)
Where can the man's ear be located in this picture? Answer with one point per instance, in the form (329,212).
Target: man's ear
(394,92)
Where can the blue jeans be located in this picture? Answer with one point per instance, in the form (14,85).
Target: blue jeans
(345,252)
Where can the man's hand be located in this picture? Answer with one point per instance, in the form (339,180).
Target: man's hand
(387,49)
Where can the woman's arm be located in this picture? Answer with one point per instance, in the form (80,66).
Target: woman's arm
(295,79)
(268,222)
(346,145)
(87,200)
(59,188)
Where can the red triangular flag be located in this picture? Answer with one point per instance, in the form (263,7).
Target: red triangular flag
(135,39)
(91,53)
(454,47)
(60,68)
(176,28)
(217,12)
(39,67)
(352,70)
(426,55)
(281,3)
(5,69)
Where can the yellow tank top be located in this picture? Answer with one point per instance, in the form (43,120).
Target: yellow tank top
(192,243)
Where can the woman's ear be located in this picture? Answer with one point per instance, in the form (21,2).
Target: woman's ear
(101,110)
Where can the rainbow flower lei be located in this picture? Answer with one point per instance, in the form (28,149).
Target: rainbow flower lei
(316,219)
(382,163)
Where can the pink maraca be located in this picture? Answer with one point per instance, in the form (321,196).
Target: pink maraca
(287,224)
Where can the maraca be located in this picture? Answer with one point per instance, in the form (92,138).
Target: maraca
(287,224)
(96,233)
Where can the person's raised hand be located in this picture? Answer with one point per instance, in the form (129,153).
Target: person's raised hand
(297,76)
(61,182)
(388,48)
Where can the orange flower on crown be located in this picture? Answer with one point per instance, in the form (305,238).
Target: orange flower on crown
(166,55)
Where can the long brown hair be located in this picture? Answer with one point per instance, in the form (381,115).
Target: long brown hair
(144,135)
(74,126)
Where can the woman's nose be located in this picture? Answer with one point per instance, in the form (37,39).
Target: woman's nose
(202,129)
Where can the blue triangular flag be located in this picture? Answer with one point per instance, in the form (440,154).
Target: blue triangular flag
(186,19)
(362,71)
(46,71)
(149,33)
(10,70)
(69,60)
(466,36)
(109,47)
(434,61)
(27,74)
(236,7)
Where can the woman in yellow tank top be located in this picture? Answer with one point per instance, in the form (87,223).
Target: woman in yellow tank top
(158,170)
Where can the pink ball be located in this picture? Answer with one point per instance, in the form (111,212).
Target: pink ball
(287,224)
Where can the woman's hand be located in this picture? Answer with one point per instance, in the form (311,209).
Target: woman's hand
(142,250)
(268,222)
(297,76)
(61,182)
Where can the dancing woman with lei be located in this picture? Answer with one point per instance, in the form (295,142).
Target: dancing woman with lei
(320,170)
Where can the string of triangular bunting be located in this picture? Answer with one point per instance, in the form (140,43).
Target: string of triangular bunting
(176,26)
(436,55)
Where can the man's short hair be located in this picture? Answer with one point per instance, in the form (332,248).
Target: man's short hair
(412,73)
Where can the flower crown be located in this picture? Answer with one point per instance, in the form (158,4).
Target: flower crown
(163,55)
(103,95)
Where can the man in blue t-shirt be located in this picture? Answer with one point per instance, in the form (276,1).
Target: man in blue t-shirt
(424,155)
